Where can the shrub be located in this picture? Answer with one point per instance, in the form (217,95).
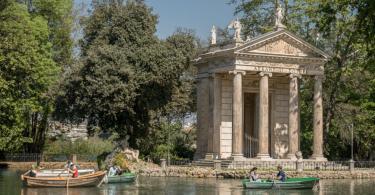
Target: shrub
(93,146)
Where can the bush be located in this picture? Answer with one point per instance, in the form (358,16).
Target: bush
(93,146)
(121,161)
(169,139)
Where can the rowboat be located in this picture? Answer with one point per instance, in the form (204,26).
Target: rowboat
(290,183)
(93,179)
(61,172)
(123,178)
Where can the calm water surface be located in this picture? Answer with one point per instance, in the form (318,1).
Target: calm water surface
(10,183)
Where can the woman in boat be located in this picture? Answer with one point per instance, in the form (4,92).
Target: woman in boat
(281,176)
(253,175)
(112,171)
(74,170)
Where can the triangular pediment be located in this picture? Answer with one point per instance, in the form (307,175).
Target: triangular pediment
(281,43)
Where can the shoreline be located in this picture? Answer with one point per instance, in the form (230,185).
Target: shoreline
(200,172)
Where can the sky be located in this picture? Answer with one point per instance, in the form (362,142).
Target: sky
(198,15)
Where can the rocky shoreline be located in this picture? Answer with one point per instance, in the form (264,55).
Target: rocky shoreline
(202,172)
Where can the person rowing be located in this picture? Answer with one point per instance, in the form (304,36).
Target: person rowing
(74,170)
(281,176)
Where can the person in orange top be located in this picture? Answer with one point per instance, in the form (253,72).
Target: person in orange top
(74,170)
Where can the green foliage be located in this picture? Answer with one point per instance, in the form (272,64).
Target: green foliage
(26,73)
(128,78)
(58,13)
(92,146)
(121,161)
(168,140)
(345,29)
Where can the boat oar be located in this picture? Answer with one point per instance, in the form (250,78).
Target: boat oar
(101,181)
(67,182)
(316,186)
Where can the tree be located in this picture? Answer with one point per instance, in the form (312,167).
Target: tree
(58,14)
(127,75)
(26,73)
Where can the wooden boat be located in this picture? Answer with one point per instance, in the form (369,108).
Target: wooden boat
(290,183)
(61,172)
(94,179)
(123,178)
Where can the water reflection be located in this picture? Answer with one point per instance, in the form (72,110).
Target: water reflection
(10,184)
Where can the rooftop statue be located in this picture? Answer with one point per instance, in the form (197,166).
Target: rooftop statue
(236,25)
(279,17)
(213,35)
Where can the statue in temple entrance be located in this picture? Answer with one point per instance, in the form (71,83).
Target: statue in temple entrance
(236,25)
(279,17)
(213,35)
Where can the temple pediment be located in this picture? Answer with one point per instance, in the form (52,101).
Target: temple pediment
(280,43)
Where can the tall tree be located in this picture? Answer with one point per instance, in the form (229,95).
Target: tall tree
(126,74)
(26,73)
(58,14)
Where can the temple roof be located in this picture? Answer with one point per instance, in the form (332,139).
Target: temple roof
(277,45)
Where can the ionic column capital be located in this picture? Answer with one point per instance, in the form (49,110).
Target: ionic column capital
(319,77)
(293,75)
(237,72)
(262,74)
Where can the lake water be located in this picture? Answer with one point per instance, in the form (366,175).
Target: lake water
(10,183)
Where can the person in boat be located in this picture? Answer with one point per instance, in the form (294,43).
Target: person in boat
(253,175)
(118,170)
(281,176)
(68,165)
(112,171)
(74,170)
(33,171)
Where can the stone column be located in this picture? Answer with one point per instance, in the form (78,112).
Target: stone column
(318,120)
(263,116)
(237,122)
(213,136)
(210,132)
(293,116)
(217,115)
(202,116)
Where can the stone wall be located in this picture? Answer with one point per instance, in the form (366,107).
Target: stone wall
(226,119)
(201,172)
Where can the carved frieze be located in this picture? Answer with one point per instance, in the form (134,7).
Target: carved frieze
(279,67)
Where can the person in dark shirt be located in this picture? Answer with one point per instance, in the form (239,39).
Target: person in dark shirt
(281,176)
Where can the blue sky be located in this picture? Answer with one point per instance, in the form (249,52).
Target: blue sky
(198,15)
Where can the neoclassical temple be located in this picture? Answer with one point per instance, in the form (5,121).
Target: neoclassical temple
(248,96)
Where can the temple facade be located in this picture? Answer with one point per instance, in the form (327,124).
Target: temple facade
(248,97)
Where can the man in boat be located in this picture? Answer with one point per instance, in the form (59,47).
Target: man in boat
(281,176)
(68,164)
(74,170)
(118,170)
(253,175)
(33,171)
